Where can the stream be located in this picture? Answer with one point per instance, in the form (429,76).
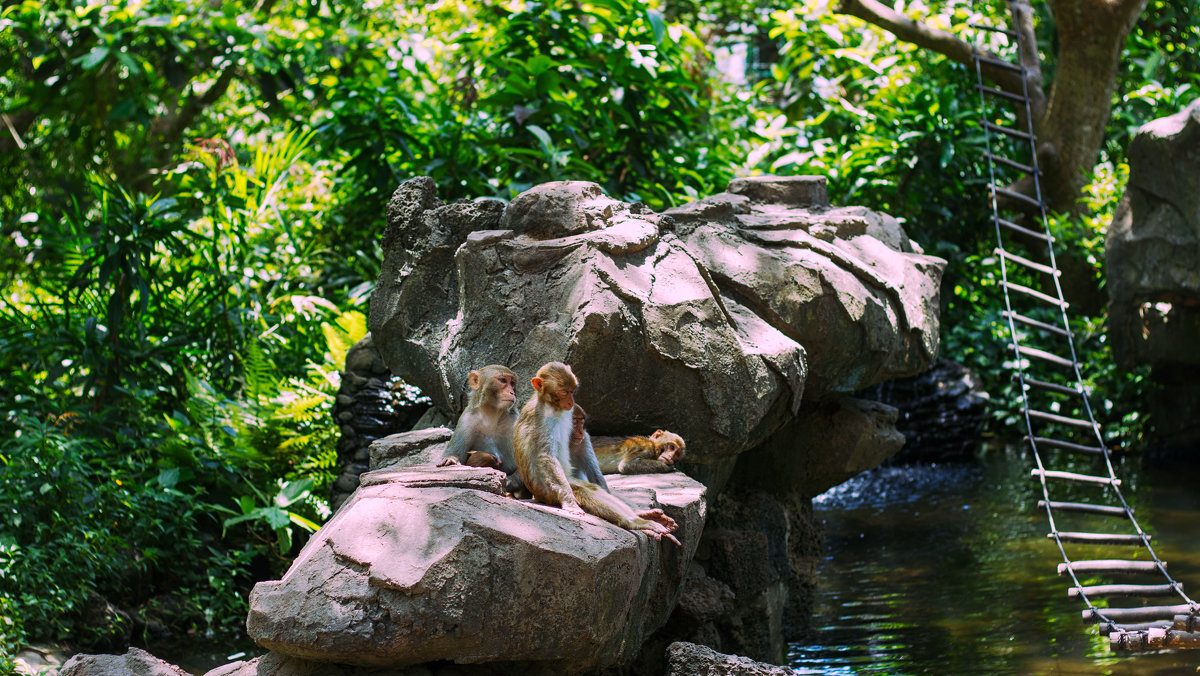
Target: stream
(946,569)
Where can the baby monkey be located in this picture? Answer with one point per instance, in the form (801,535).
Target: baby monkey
(639,455)
(542,441)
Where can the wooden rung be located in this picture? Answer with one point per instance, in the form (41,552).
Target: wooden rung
(1046,298)
(1023,136)
(1098,538)
(1045,356)
(1142,614)
(1000,63)
(1114,590)
(1067,446)
(1106,627)
(1077,478)
(1187,621)
(1110,567)
(1004,161)
(992,91)
(1023,230)
(1033,202)
(1062,419)
(1052,387)
(993,29)
(1106,510)
(1154,639)
(1021,260)
(1033,322)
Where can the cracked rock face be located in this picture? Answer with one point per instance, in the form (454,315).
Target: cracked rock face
(712,320)
(426,564)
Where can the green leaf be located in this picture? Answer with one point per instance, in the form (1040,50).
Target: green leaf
(293,491)
(542,136)
(168,478)
(159,21)
(657,24)
(93,58)
(277,518)
(285,540)
(304,523)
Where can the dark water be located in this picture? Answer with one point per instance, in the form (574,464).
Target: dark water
(946,569)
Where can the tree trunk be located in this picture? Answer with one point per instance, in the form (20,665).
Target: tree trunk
(1091,35)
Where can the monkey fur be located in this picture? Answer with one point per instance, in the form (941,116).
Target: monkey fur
(542,444)
(583,458)
(639,455)
(484,433)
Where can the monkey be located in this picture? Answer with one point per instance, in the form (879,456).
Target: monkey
(483,435)
(542,443)
(639,455)
(583,459)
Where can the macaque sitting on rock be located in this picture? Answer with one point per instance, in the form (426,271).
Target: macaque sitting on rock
(483,436)
(542,442)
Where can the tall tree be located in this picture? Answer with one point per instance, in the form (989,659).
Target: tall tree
(1070,113)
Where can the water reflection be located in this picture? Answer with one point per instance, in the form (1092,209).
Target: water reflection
(946,569)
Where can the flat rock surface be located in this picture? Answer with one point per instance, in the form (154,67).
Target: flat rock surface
(426,563)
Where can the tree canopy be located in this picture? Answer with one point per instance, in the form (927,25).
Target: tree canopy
(192,193)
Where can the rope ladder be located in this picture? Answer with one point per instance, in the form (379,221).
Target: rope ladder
(1061,428)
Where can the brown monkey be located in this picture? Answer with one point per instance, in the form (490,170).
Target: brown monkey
(483,435)
(639,455)
(583,459)
(542,443)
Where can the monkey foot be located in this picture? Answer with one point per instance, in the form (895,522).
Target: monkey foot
(573,508)
(658,516)
(658,534)
(447,461)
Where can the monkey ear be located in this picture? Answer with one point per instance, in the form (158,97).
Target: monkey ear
(537,383)
(473,379)
(657,434)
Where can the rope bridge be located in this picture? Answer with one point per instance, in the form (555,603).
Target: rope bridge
(1062,431)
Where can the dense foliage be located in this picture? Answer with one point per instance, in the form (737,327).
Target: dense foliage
(190,200)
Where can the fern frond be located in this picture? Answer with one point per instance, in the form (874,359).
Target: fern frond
(258,373)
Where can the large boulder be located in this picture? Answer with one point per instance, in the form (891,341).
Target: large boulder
(844,282)
(425,564)
(697,321)
(1153,245)
(1153,280)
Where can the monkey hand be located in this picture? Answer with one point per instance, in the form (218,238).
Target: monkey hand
(481,459)
(448,460)
(658,516)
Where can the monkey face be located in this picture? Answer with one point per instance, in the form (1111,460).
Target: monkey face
(562,398)
(503,387)
(556,385)
(669,445)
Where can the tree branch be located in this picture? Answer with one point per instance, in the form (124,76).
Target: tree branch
(940,41)
(1022,13)
(16,128)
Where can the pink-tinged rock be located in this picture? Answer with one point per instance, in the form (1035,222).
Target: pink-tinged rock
(426,564)
(135,662)
(713,320)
